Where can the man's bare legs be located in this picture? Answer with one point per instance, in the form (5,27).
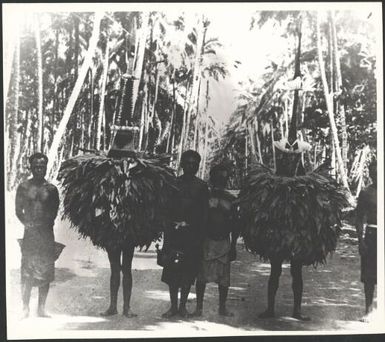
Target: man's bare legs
(200,292)
(185,290)
(114,258)
(128,255)
(369,294)
(43,293)
(272,287)
(297,286)
(173,311)
(26,289)
(223,291)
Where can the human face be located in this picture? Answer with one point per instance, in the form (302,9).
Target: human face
(220,179)
(190,166)
(39,168)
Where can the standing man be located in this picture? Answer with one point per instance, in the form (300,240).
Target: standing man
(37,203)
(218,249)
(186,236)
(366,226)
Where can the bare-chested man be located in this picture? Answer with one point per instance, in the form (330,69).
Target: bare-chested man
(37,203)
(366,226)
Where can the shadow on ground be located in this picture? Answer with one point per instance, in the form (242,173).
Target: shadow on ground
(332,297)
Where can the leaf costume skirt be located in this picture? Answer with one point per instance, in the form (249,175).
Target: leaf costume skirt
(117,202)
(295,217)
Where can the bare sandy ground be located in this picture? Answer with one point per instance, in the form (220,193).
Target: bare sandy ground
(333,296)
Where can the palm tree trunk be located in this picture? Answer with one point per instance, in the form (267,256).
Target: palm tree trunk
(258,141)
(252,141)
(196,75)
(172,116)
(339,105)
(197,118)
(140,58)
(102,98)
(14,134)
(55,100)
(8,63)
(205,145)
(52,155)
(154,115)
(143,117)
(272,145)
(329,103)
(184,124)
(91,82)
(40,120)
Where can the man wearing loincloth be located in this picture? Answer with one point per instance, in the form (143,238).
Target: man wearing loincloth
(366,226)
(37,203)
(219,246)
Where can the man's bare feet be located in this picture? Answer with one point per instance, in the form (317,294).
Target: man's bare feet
(183,312)
(42,313)
(300,317)
(267,314)
(109,312)
(128,313)
(170,313)
(196,313)
(224,312)
(25,313)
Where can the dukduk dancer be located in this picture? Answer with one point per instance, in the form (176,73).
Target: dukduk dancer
(119,201)
(290,215)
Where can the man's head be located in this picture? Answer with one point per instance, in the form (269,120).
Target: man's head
(190,162)
(38,162)
(219,175)
(373,171)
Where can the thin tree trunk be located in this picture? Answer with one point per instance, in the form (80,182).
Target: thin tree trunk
(252,141)
(196,74)
(55,100)
(246,151)
(52,155)
(141,127)
(197,117)
(172,116)
(91,80)
(184,124)
(272,145)
(258,141)
(205,145)
(329,103)
(40,120)
(286,117)
(339,105)
(154,115)
(102,98)
(140,58)
(14,134)
(77,45)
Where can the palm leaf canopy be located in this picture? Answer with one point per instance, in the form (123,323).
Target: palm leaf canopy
(116,202)
(291,217)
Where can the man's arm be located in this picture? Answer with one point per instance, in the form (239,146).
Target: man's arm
(205,208)
(19,204)
(55,202)
(360,220)
(235,231)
